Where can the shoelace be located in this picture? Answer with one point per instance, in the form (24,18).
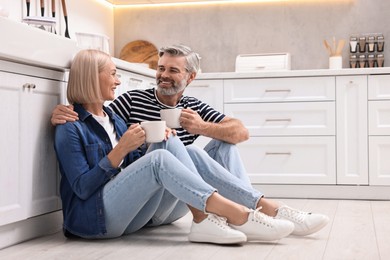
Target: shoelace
(294,214)
(220,221)
(261,217)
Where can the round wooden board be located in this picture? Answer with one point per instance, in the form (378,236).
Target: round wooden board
(140,52)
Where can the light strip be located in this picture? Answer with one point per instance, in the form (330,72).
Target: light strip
(223,2)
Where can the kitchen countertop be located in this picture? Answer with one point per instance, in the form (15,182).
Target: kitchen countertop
(293,73)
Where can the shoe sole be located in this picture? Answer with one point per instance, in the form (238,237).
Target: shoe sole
(201,238)
(312,231)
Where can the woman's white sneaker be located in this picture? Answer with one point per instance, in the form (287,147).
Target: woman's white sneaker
(214,229)
(305,223)
(264,228)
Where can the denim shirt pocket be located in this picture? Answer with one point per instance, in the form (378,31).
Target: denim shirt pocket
(94,153)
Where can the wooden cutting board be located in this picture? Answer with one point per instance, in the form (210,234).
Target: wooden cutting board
(140,52)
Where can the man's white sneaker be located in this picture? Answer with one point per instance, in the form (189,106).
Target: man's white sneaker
(214,229)
(305,223)
(265,228)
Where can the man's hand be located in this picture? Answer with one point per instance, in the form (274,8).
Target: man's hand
(62,114)
(192,122)
(229,130)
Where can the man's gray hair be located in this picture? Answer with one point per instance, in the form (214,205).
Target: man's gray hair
(192,58)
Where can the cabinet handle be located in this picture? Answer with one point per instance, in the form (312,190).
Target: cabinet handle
(278,120)
(137,80)
(199,86)
(29,85)
(277,90)
(275,153)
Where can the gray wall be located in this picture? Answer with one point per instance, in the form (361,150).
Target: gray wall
(220,32)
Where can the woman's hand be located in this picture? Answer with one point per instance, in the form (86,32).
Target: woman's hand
(133,138)
(168,132)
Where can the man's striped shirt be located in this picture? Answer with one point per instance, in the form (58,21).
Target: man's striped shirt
(136,106)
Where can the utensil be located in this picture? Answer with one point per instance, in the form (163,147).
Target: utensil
(53,11)
(28,7)
(42,13)
(66,18)
(42,8)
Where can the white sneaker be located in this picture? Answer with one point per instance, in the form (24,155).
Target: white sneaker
(214,229)
(305,223)
(265,228)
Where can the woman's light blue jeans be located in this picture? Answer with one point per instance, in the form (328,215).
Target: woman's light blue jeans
(155,189)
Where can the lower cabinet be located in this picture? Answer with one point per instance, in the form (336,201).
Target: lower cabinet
(379,160)
(290,160)
(29,175)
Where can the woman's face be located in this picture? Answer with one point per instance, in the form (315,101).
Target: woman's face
(108,81)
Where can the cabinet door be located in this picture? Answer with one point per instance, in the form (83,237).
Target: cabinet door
(379,154)
(352,134)
(288,118)
(13,202)
(379,117)
(38,158)
(210,92)
(379,87)
(279,89)
(29,173)
(290,160)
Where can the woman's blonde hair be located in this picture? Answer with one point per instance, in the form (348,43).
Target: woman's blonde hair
(83,84)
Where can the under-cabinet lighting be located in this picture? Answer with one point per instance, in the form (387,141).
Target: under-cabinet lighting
(123,5)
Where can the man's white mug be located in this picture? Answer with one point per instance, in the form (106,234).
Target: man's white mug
(154,131)
(171,116)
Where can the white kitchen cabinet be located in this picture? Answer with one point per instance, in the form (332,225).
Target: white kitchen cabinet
(29,174)
(379,129)
(210,92)
(352,134)
(379,154)
(289,120)
(279,89)
(290,160)
(285,119)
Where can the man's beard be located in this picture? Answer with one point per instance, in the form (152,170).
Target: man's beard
(176,88)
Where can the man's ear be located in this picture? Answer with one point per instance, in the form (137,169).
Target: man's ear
(191,78)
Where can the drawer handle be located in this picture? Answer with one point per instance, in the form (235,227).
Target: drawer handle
(136,80)
(281,153)
(277,90)
(29,85)
(200,86)
(278,120)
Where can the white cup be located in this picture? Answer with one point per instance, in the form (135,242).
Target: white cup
(335,62)
(171,116)
(154,131)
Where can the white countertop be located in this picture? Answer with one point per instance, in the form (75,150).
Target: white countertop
(293,73)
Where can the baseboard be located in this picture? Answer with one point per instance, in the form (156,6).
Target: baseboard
(325,191)
(18,232)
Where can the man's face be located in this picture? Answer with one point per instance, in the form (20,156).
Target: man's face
(171,76)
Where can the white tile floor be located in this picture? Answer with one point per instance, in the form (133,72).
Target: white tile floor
(357,230)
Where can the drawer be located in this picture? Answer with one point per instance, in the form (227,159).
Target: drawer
(379,117)
(379,87)
(290,160)
(279,89)
(271,119)
(379,163)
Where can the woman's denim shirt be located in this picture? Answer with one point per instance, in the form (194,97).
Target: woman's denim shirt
(82,149)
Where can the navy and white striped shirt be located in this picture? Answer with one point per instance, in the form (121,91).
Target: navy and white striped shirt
(136,106)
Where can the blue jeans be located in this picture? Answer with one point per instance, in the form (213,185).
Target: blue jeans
(155,189)
(228,156)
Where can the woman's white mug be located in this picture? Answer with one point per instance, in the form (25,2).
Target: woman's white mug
(171,116)
(154,131)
